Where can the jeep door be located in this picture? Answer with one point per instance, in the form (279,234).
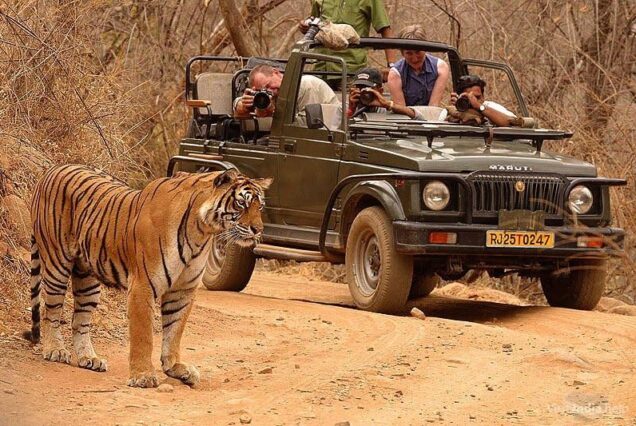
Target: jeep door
(308,159)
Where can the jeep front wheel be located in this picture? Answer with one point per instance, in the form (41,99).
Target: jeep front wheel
(581,287)
(379,278)
(229,267)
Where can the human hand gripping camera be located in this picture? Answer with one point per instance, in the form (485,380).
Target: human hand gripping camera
(472,108)
(255,103)
(366,95)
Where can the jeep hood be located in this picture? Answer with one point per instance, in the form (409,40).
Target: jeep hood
(454,154)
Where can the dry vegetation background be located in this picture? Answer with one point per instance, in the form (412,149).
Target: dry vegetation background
(101,83)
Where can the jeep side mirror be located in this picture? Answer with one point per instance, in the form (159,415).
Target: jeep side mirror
(313,113)
(315,120)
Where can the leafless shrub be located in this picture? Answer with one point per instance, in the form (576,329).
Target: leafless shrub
(100,83)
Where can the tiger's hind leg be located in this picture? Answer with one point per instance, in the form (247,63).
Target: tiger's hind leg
(175,309)
(86,292)
(54,283)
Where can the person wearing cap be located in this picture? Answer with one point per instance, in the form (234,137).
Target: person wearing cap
(418,79)
(473,88)
(370,79)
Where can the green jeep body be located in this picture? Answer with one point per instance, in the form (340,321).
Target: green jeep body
(325,179)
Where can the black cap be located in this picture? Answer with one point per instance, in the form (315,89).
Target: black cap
(369,77)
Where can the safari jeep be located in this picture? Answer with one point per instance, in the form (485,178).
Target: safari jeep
(401,202)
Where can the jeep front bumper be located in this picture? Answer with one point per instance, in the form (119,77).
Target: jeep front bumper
(413,238)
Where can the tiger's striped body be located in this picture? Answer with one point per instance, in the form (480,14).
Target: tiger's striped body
(90,228)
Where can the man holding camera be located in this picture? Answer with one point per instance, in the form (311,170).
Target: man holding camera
(366,91)
(267,79)
(471,108)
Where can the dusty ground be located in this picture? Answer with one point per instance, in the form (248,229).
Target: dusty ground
(293,351)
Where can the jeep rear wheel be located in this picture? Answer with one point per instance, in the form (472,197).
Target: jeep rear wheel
(379,278)
(581,287)
(229,267)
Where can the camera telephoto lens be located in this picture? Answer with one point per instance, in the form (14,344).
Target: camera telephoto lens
(366,98)
(462,104)
(262,100)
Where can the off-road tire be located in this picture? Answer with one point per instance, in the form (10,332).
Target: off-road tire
(423,284)
(579,288)
(379,278)
(234,272)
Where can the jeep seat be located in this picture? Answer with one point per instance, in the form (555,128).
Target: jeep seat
(260,124)
(211,102)
(256,130)
(216,88)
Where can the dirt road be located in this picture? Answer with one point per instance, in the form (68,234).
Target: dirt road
(292,351)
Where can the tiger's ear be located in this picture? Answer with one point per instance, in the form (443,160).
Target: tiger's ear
(263,183)
(227,176)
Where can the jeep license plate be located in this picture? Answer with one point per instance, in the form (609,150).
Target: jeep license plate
(520,239)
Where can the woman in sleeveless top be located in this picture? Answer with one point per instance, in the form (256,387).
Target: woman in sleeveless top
(418,78)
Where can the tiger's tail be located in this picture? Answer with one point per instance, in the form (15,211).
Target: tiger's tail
(36,280)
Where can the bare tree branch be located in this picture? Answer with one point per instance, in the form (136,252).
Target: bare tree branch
(238,29)
(220,39)
(454,21)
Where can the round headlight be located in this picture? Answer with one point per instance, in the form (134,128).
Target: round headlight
(580,199)
(436,195)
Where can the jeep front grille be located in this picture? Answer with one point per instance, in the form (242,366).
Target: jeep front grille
(498,191)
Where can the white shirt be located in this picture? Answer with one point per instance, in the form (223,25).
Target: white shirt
(498,107)
(313,90)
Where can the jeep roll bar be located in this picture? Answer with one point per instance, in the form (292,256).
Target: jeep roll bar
(378,43)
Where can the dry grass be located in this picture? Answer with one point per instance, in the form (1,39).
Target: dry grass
(96,83)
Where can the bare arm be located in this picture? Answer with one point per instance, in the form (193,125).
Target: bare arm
(497,118)
(391,54)
(443,72)
(381,101)
(243,106)
(395,88)
(401,109)
(354,97)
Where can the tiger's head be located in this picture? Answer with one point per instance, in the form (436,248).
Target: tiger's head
(236,212)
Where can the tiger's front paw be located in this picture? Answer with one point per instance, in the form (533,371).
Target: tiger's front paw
(187,373)
(146,379)
(57,355)
(92,363)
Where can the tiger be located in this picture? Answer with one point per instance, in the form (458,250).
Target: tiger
(94,229)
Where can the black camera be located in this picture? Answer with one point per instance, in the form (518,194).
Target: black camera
(463,103)
(367,97)
(262,98)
